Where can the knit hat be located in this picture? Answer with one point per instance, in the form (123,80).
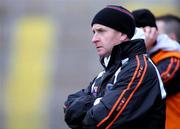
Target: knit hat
(144,17)
(116,17)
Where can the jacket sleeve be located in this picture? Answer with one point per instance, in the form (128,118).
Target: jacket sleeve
(72,97)
(169,69)
(131,96)
(76,106)
(77,110)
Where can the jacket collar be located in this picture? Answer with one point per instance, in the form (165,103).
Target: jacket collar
(122,51)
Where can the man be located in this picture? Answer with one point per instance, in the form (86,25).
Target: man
(166,55)
(170,25)
(128,93)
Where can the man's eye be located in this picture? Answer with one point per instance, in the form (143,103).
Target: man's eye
(101,30)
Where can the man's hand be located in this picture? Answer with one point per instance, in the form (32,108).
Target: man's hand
(151,34)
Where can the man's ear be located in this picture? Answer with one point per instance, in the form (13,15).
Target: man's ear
(172,36)
(124,37)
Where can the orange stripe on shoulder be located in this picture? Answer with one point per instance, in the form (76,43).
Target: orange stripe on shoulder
(165,54)
(165,73)
(131,95)
(177,61)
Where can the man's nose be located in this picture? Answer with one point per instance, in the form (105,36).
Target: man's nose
(94,38)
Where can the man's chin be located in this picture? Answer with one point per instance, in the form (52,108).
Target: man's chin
(101,54)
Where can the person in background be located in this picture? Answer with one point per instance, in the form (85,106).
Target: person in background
(128,93)
(165,53)
(170,25)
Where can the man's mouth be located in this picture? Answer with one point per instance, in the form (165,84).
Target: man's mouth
(98,47)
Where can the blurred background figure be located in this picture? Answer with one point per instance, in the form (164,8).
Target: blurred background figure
(40,41)
(165,53)
(170,25)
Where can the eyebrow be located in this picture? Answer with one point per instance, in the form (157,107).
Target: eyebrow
(98,28)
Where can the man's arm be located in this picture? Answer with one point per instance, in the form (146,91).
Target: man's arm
(76,106)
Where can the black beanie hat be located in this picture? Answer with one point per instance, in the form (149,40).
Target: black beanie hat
(144,17)
(116,17)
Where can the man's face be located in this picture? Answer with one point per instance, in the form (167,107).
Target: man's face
(105,39)
(164,28)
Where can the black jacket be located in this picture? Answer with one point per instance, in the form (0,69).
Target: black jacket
(130,93)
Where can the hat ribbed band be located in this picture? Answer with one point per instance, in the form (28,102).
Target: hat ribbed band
(121,10)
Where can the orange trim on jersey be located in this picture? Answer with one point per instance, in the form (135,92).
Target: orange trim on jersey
(121,95)
(173,112)
(140,81)
(176,68)
(164,54)
(164,74)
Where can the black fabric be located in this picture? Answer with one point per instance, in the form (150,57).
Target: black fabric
(76,111)
(144,17)
(116,17)
(145,105)
(126,50)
